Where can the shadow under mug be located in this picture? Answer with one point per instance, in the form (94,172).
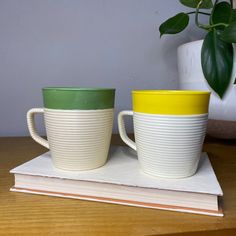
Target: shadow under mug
(78,125)
(169,129)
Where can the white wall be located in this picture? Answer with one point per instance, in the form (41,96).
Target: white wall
(98,43)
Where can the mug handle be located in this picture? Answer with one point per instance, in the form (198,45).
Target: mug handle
(32,129)
(122,131)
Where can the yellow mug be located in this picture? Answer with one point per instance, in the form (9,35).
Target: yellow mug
(169,129)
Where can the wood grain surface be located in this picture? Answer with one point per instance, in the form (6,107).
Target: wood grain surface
(26,214)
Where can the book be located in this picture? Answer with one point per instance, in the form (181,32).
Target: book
(121,181)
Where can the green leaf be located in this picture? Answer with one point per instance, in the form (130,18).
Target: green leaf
(217,62)
(229,33)
(233,15)
(174,24)
(235,81)
(206,4)
(221,14)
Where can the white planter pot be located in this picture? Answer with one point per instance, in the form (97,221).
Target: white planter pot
(222,113)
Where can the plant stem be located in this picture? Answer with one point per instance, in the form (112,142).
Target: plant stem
(200,12)
(196,16)
(206,27)
(215,25)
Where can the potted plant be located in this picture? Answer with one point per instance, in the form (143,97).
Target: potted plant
(209,63)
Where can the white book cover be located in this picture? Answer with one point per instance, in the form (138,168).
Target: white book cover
(122,168)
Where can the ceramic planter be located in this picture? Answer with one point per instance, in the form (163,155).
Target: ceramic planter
(222,113)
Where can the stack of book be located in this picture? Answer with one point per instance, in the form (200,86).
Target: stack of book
(121,181)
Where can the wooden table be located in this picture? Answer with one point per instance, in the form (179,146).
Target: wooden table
(26,214)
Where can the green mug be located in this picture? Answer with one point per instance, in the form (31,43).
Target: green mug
(78,125)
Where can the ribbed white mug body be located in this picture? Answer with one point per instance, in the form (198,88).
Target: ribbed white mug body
(79,139)
(167,145)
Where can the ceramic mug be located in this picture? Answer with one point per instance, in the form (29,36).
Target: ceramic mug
(169,129)
(78,125)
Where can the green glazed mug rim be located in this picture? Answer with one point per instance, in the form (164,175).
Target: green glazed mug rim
(88,89)
(78,98)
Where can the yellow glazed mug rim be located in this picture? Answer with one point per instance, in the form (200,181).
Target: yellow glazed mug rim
(171,102)
(171,92)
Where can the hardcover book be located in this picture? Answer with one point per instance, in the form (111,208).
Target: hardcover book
(121,181)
